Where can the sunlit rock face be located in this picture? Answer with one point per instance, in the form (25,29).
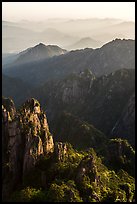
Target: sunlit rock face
(61,151)
(25,137)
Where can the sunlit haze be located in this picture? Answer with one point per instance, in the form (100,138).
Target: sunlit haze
(38,11)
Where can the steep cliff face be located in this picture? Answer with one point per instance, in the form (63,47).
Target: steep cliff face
(107,98)
(61,151)
(75,87)
(68,94)
(25,137)
(8,114)
(9,164)
(98,101)
(34,124)
(72,89)
(125,126)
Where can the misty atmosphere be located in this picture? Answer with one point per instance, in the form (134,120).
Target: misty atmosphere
(68,34)
(68,101)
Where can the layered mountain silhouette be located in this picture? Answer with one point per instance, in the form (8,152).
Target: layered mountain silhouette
(112,56)
(16,36)
(92,84)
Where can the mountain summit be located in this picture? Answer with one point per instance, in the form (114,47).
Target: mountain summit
(39,52)
(85,42)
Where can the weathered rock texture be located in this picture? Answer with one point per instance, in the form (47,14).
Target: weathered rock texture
(88,167)
(25,136)
(61,151)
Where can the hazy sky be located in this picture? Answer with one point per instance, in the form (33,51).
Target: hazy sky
(16,11)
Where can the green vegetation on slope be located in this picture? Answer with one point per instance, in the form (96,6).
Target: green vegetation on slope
(100,174)
(80,177)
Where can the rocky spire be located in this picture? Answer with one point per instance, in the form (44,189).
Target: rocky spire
(25,136)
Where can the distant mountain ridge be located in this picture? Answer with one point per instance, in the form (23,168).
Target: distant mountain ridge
(85,42)
(112,56)
(16,36)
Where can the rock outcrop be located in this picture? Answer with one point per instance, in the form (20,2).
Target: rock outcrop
(88,167)
(25,137)
(76,86)
(60,151)
(33,150)
(8,148)
(34,123)
(120,154)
